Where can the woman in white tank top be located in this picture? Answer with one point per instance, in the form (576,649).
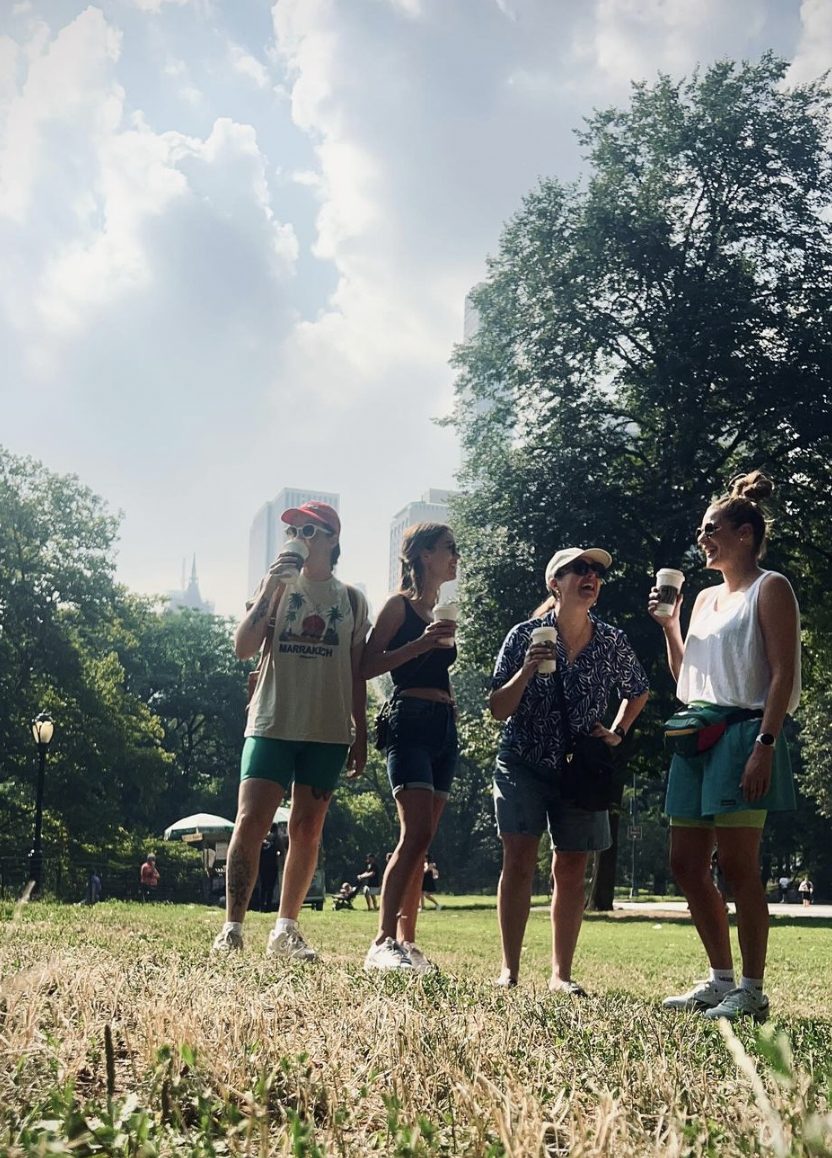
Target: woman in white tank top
(743,651)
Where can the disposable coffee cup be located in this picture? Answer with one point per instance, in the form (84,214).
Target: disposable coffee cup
(546,635)
(669,583)
(446,613)
(290,568)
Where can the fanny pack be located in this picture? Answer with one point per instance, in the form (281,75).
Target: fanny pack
(699,726)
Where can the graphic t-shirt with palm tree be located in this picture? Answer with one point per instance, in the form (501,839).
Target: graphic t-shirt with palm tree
(305,690)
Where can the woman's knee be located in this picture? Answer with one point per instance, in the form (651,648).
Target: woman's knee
(688,870)
(569,868)
(519,858)
(740,871)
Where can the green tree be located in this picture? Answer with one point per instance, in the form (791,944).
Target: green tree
(644,334)
(188,674)
(66,634)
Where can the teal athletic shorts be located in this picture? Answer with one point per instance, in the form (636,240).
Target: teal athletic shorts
(302,761)
(708,785)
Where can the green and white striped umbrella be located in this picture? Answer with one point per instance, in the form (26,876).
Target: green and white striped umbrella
(200,824)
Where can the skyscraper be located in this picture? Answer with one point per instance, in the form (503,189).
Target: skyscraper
(267,531)
(432,507)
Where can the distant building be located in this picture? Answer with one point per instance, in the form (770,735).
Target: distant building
(189,595)
(267,531)
(432,507)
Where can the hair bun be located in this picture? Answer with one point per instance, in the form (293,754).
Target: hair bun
(755,487)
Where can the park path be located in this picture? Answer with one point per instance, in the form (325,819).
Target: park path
(679,907)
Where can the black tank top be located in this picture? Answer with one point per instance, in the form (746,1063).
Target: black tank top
(425,671)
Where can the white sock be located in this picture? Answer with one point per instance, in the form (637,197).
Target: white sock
(723,979)
(233,927)
(753,985)
(285,925)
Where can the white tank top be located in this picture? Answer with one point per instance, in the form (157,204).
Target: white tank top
(725,659)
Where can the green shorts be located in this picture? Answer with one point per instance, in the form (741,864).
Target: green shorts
(708,785)
(748,818)
(284,761)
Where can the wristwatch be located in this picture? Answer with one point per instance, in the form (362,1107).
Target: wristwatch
(766,739)
(619,731)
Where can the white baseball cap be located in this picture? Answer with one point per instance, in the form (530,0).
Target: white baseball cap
(569,554)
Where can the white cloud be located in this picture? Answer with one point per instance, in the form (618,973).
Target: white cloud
(247,65)
(633,39)
(154,6)
(814,51)
(69,88)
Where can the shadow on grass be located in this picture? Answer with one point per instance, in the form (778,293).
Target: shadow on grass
(674,918)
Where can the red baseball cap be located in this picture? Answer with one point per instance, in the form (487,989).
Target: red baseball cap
(321,513)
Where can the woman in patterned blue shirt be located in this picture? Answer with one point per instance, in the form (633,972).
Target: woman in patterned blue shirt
(594,660)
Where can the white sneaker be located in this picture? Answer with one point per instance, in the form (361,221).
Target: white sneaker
(419,962)
(227,941)
(291,945)
(388,955)
(572,988)
(704,995)
(740,1003)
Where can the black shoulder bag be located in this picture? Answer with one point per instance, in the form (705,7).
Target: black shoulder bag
(588,774)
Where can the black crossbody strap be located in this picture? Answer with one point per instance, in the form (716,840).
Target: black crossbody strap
(564,711)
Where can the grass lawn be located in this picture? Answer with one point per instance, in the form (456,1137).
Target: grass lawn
(118,1035)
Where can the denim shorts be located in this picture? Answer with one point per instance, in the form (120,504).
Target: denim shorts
(422,746)
(527,799)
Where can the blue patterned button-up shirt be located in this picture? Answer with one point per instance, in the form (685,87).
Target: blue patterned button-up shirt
(607,664)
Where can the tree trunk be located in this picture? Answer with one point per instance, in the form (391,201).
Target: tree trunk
(602,890)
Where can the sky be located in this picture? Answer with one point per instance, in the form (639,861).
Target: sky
(237,236)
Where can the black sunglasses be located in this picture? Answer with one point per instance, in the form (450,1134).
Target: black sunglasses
(583,567)
(708,531)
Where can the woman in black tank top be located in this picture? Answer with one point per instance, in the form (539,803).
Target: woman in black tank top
(422,746)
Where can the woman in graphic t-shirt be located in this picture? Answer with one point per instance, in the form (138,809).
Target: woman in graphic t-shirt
(422,748)
(742,651)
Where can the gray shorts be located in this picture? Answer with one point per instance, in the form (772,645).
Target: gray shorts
(527,800)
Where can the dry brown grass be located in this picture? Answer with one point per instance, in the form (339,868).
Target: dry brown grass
(239,1056)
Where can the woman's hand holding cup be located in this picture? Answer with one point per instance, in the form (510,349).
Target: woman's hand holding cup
(537,654)
(664,620)
(438,634)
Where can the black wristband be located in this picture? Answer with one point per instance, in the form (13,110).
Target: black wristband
(619,731)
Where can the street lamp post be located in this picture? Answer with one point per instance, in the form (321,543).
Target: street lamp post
(42,731)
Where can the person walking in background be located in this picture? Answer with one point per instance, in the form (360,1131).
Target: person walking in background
(429,878)
(148,878)
(422,745)
(92,894)
(371,878)
(269,856)
(594,661)
(806,890)
(784,883)
(742,652)
(307,718)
